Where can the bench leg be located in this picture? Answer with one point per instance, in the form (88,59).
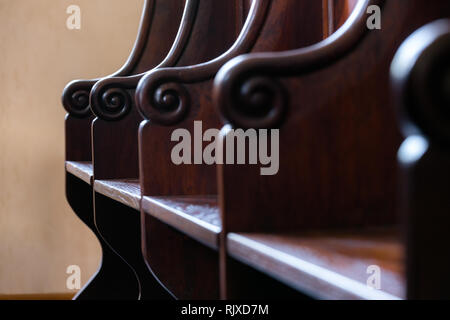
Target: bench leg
(114,279)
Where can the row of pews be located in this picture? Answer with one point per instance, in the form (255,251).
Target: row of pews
(357,207)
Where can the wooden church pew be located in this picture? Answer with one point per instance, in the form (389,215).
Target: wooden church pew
(328,218)
(106,284)
(114,131)
(420,75)
(180,216)
(327,221)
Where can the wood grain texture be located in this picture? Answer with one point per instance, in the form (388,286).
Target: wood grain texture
(251,284)
(212,18)
(78,138)
(75,98)
(81,170)
(331,159)
(127,192)
(338,137)
(196,216)
(335,13)
(187,268)
(338,147)
(114,131)
(270,25)
(114,142)
(326,265)
(197,277)
(340,10)
(79,121)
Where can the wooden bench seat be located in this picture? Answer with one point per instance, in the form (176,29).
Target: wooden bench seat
(81,169)
(124,191)
(195,216)
(326,265)
(330,265)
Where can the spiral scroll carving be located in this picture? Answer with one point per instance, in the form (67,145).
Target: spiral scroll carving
(259,102)
(169,104)
(421,76)
(112,104)
(76,101)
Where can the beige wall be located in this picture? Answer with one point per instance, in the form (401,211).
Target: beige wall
(39,234)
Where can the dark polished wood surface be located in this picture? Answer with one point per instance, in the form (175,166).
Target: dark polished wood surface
(191,90)
(196,216)
(104,284)
(420,74)
(349,196)
(331,265)
(154,28)
(127,192)
(81,169)
(158,177)
(114,137)
(338,132)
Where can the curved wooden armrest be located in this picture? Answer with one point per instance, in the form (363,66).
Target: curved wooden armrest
(112,97)
(243,73)
(161,89)
(337,133)
(75,97)
(420,75)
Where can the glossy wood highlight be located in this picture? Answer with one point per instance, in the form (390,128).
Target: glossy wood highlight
(196,216)
(159,177)
(127,192)
(173,98)
(326,265)
(158,25)
(327,222)
(80,169)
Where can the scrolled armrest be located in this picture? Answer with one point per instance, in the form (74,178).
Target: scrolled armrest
(246,98)
(246,90)
(161,97)
(76,94)
(112,98)
(420,76)
(75,98)
(161,94)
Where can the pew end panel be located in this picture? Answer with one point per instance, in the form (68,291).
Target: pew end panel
(155,138)
(323,265)
(79,168)
(75,97)
(338,139)
(174,99)
(115,131)
(355,206)
(325,125)
(420,74)
(114,143)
